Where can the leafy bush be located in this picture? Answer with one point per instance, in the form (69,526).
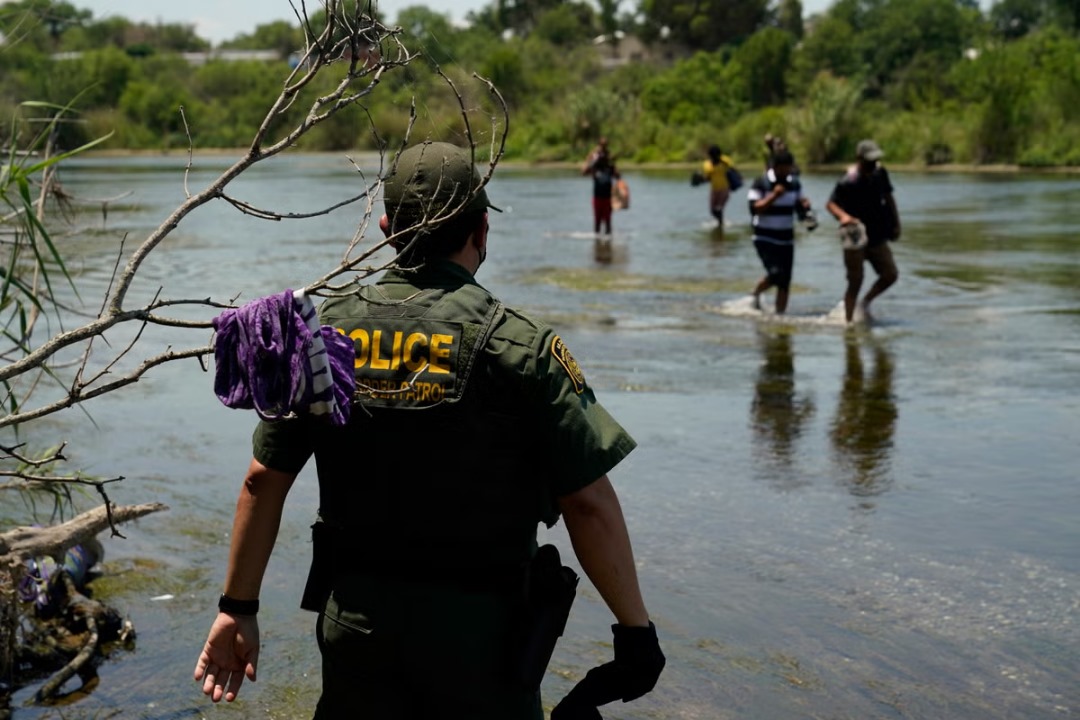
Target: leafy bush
(744,139)
(705,82)
(829,120)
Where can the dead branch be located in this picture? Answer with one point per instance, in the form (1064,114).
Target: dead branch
(79,393)
(248,209)
(13,452)
(23,543)
(88,613)
(58,479)
(359,50)
(322,51)
(368,50)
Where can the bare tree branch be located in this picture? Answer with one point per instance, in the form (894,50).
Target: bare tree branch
(13,452)
(24,543)
(74,365)
(80,394)
(366,50)
(272,215)
(52,686)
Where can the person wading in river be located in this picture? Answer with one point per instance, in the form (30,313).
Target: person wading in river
(775,199)
(600,165)
(715,170)
(864,195)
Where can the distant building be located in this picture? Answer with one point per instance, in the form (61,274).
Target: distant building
(201,58)
(628,49)
(369,55)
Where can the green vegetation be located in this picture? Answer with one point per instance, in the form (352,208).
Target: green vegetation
(935,81)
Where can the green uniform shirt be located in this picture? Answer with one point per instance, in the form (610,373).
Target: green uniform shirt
(527,429)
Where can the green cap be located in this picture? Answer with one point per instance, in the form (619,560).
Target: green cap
(434,179)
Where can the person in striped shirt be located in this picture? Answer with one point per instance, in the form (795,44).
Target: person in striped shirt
(775,199)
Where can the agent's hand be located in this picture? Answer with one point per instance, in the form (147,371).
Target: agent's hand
(570,710)
(634,672)
(231,653)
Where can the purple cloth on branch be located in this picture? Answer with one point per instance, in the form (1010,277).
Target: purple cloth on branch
(273,357)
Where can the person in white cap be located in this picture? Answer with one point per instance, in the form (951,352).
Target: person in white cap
(864,195)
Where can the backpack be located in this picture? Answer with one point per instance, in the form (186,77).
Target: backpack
(734,178)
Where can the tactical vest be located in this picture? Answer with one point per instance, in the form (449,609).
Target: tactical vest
(418,353)
(435,472)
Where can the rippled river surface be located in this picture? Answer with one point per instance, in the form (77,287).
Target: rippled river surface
(878,523)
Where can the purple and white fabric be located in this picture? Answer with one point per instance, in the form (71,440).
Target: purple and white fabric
(271,355)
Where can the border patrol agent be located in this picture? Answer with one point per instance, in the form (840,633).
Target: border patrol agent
(473,423)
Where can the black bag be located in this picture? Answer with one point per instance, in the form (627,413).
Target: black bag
(734,178)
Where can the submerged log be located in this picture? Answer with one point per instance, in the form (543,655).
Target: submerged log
(24,543)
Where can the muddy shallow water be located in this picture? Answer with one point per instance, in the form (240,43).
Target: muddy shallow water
(829,523)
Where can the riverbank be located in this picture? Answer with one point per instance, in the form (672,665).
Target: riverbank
(994,169)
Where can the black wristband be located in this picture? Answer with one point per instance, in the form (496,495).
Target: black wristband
(237,607)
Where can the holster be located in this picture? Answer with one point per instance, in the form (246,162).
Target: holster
(550,592)
(324,565)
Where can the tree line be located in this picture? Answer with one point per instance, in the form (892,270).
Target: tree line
(935,81)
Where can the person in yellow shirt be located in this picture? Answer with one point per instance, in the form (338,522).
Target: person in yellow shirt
(716,171)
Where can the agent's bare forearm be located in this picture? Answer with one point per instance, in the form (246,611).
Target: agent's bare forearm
(601,542)
(255,527)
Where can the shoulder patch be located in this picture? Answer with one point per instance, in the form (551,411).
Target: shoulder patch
(562,354)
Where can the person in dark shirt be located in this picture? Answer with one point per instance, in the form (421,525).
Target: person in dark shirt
(601,166)
(865,196)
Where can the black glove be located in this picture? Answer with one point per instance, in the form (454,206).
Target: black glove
(634,671)
(572,710)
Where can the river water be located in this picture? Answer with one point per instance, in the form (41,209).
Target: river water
(873,523)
